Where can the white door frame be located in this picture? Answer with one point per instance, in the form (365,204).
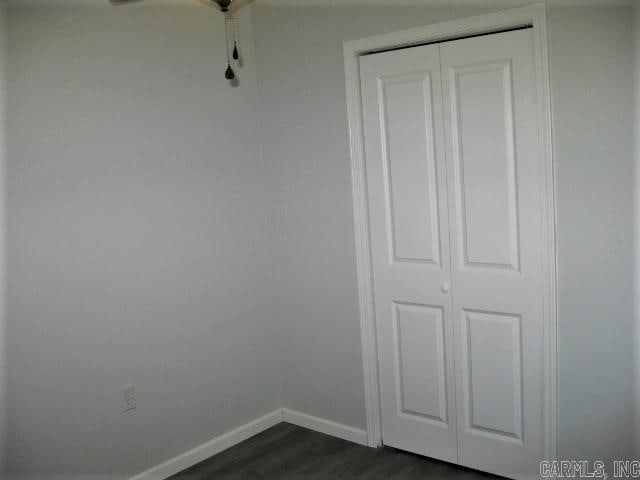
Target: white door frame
(536,17)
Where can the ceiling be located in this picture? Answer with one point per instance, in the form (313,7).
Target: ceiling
(327,3)
(440,3)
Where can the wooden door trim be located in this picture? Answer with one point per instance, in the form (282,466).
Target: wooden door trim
(536,17)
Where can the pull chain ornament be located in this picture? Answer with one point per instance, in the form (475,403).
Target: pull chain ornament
(229,74)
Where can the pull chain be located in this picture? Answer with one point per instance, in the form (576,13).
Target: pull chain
(229,74)
(234,24)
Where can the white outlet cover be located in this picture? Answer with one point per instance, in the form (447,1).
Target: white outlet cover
(128,397)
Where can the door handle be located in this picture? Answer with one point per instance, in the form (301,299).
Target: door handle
(445,287)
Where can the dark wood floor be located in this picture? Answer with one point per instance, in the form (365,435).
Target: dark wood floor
(289,452)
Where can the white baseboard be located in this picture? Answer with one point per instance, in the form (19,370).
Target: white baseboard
(322,425)
(240,434)
(213,447)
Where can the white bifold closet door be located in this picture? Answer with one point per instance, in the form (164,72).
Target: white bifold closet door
(455,201)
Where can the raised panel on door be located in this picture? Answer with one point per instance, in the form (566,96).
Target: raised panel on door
(492,371)
(407,140)
(485,169)
(404,150)
(420,362)
(495,198)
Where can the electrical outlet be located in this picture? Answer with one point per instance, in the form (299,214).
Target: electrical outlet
(128,397)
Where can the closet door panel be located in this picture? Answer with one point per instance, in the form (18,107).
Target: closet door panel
(405,164)
(420,360)
(492,367)
(496,204)
(410,169)
(482,135)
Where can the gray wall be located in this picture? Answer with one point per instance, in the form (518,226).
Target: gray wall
(3,342)
(636,78)
(592,83)
(302,95)
(136,217)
